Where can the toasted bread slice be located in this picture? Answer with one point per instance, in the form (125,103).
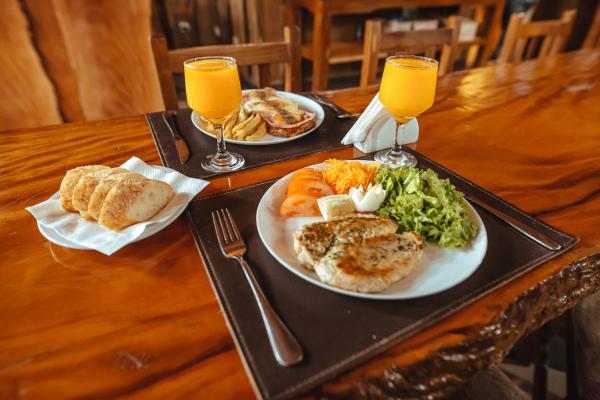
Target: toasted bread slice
(103,188)
(70,181)
(133,201)
(85,188)
(283,116)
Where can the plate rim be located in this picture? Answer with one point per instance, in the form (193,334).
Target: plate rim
(194,116)
(370,296)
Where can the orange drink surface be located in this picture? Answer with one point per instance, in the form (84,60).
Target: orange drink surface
(212,87)
(408,86)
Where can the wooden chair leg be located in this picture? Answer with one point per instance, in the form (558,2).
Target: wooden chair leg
(572,389)
(540,371)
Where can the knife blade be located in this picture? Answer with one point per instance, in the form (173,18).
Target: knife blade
(531,233)
(183,150)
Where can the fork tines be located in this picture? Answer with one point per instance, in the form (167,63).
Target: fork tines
(225,227)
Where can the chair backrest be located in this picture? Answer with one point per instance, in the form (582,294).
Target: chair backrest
(523,38)
(287,51)
(593,37)
(378,44)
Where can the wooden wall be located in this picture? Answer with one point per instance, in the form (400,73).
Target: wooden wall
(75,60)
(27,96)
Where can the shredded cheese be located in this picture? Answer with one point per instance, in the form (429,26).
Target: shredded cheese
(343,175)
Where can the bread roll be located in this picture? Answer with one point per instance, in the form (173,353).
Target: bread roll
(85,188)
(103,188)
(70,181)
(133,201)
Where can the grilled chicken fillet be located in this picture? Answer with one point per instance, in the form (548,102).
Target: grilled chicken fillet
(359,252)
(312,241)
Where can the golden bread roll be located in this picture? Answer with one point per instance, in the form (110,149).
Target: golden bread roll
(104,187)
(132,201)
(85,188)
(70,181)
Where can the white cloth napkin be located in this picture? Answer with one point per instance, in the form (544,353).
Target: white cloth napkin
(375,129)
(91,235)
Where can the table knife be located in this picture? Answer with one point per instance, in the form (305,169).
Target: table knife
(531,233)
(183,150)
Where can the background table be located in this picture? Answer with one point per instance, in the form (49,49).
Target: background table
(322,52)
(145,322)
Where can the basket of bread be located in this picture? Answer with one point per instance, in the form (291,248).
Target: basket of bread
(104,208)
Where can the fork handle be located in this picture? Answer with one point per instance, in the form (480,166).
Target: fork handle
(286,348)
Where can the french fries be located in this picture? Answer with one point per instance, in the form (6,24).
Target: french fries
(242,126)
(259,133)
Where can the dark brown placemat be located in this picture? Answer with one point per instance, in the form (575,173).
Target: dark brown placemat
(338,332)
(325,137)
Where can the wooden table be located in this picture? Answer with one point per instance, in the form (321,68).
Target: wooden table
(145,322)
(322,52)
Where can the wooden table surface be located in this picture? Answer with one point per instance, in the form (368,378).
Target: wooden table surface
(145,322)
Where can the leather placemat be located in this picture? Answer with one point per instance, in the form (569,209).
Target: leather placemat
(338,332)
(325,137)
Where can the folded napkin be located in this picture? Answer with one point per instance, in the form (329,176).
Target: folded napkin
(375,129)
(91,235)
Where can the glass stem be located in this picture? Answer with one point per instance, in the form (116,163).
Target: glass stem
(397,149)
(221,148)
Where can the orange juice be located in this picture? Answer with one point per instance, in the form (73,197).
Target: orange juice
(212,87)
(408,86)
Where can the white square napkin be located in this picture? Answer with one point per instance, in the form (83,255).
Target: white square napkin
(375,129)
(91,235)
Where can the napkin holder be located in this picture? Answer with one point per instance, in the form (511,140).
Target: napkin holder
(382,133)
(375,129)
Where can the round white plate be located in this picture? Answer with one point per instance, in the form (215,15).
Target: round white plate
(56,238)
(304,102)
(440,268)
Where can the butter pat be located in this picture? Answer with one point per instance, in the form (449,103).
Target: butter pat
(335,206)
(369,201)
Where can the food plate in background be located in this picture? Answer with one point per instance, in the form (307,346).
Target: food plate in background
(304,102)
(440,268)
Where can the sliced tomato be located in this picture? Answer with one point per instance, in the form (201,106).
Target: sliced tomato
(309,186)
(309,173)
(299,205)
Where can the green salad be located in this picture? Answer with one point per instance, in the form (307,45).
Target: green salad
(418,200)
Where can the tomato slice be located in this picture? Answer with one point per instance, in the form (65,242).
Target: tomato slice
(299,205)
(309,186)
(308,173)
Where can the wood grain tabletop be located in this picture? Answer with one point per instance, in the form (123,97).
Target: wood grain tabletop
(145,322)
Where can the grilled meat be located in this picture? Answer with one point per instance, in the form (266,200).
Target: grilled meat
(358,252)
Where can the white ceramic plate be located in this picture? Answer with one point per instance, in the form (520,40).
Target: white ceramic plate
(440,268)
(56,238)
(304,102)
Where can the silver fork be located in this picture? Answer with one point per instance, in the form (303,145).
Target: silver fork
(285,347)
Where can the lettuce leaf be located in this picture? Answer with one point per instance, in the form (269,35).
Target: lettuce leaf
(418,200)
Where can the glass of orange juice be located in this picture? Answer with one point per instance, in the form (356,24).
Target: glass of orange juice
(213,90)
(407,89)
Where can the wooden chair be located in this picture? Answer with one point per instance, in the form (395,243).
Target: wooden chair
(524,38)
(593,37)
(287,51)
(378,44)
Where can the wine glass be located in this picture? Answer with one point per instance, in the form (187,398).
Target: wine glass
(213,91)
(407,89)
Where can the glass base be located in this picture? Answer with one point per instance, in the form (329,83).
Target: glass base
(395,159)
(223,163)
